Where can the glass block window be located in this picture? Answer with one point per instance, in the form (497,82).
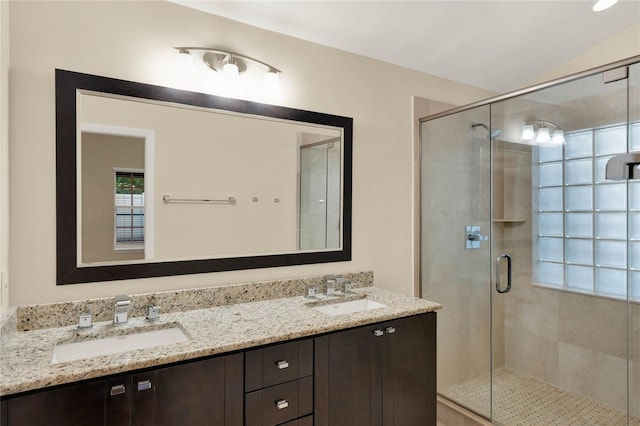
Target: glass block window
(129,210)
(588,227)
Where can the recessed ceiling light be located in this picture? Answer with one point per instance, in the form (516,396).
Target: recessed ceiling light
(603,4)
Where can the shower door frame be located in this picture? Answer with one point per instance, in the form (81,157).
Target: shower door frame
(489,102)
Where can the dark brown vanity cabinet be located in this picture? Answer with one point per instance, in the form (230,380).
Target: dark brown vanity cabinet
(203,392)
(380,374)
(279,384)
(76,404)
(196,393)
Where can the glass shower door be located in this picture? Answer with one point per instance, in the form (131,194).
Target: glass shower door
(561,230)
(456,253)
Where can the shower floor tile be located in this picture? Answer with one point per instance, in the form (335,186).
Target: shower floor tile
(525,401)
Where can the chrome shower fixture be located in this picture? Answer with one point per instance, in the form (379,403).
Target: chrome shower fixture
(493,133)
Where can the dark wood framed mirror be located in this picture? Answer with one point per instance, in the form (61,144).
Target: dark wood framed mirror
(237,218)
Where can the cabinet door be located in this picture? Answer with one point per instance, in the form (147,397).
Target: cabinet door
(348,377)
(409,378)
(118,394)
(206,392)
(69,405)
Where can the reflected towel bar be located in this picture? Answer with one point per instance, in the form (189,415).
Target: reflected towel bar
(169,199)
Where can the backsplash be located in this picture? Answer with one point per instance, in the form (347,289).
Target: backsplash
(34,317)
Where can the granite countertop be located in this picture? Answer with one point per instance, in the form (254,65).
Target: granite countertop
(25,357)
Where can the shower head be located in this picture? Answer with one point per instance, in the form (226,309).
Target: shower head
(493,133)
(623,166)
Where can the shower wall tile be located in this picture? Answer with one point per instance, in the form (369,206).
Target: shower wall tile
(575,366)
(533,310)
(593,374)
(594,323)
(532,355)
(453,275)
(610,380)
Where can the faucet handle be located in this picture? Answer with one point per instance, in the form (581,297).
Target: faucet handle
(85,321)
(153,312)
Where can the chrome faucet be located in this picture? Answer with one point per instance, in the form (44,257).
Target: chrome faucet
(330,284)
(121,309)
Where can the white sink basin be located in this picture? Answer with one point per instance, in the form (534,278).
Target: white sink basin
(110,345)
(351,307)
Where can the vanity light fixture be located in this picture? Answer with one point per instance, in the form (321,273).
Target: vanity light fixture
(231,65)
(601,5)
(541,132)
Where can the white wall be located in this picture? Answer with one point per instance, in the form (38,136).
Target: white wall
(621,46)
(133,41)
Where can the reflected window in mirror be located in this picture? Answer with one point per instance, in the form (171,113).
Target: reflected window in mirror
(129,210)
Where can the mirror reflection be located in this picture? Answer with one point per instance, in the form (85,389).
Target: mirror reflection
(221,184)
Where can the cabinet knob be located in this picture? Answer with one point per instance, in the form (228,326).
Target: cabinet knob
(282,364)
(117,390)
(391,330)
(282,403)
(378,333)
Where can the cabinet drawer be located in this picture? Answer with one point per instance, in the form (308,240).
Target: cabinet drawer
(278,364)
(305,421)
(280,403)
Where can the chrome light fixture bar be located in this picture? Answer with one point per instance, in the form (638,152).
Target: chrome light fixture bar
(231,65)
(217,59)
(540,131)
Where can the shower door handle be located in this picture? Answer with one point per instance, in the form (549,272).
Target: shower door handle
(499,273)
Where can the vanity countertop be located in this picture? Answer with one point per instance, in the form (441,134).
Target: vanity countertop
(25,357)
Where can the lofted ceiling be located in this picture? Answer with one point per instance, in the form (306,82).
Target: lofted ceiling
(494,45)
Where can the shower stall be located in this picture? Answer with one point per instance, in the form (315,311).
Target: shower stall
(533,248)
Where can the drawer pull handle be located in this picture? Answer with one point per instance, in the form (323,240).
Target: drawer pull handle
(281,404)
(117,390)
(282,364)
(378,333)
(144,385)
(391,330)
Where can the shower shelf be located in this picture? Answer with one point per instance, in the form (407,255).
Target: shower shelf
(510,220)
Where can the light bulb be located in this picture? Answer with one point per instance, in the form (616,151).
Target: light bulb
(230,70)
(231,86)
(543,135)
(601,5)
(272,85)
(527,132)
(558,137)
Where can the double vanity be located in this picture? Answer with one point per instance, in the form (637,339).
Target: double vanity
(357,358)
